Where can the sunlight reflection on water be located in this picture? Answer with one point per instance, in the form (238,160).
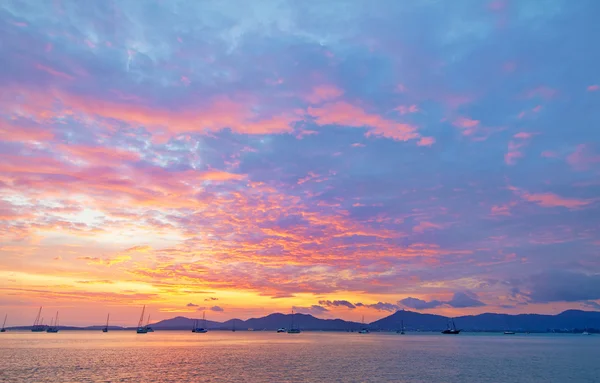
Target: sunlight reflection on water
(170,356)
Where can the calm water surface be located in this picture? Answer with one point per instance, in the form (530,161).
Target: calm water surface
(170,356)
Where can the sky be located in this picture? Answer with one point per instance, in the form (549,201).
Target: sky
(342,158)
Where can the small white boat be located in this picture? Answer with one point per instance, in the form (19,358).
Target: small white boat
(585,333)
(509,333)
(281,329)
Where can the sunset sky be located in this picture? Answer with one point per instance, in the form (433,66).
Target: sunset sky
(345,158)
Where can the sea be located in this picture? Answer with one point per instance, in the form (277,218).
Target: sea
(242,356)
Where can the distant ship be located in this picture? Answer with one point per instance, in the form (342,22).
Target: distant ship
(509,333)
(38,324)
(401,331)
(452,330)
(3,329)
(364,329)
(281,329)
(201,330)
(105,329)
(141,329)
(53,325)
(293,330)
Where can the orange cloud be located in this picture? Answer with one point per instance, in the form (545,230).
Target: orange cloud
(220,176)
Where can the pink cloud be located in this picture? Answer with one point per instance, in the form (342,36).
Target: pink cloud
(543,92)
(343,113)
(467,125)
(593,88)
(511,157)
(423,226)
(54,72)
(583,158)
(426,141)
(509,66)
(403,109)
(514,147)
(324,93)
(216,114)
(553,200)
(400,88)
(549,154)
(497,5)
(498,210)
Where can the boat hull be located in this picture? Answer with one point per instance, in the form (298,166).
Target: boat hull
(451,332)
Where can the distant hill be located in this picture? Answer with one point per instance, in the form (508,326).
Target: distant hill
(182,323)
(570,320)
(269,322)
(565,321)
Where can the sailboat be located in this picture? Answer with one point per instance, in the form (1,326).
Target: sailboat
(401,331)
(141,329)
(53,325)
(3,329)
(105,329)
(452,330)
(148,328)
(201,330)
(364,329)
(38,324)
(293,330)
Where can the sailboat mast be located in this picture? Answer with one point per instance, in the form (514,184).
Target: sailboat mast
(56,320)
(37,318)
(141,321)
(4,324)
(107,318)
(204,319)
(292,326)
(148,323)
